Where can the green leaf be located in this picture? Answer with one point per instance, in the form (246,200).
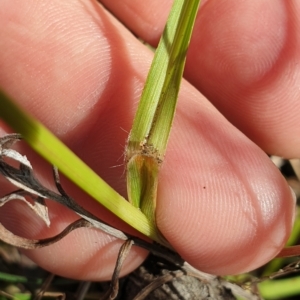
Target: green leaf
(6,277)
(144,171)
(280,288)
(153,120)
(55,152)
(154,116)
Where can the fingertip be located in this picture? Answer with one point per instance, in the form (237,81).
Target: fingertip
(228,214)
(230,246)
(247,52)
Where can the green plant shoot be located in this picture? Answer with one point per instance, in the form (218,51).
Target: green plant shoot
(153,121)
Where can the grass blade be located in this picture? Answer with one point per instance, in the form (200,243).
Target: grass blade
(55,152)
(153,120)
(280,288)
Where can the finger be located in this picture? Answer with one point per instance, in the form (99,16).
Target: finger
(244,57)
(222,204)
(92,95)
(64,94)
(248,56)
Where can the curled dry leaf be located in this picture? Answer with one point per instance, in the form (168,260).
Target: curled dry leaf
(23,178)
(39,206)
(20,242)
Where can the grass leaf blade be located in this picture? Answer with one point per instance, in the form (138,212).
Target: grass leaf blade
(55,152)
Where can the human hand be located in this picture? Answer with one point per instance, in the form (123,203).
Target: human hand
(222,204)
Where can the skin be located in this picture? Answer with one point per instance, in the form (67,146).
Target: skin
(222,203)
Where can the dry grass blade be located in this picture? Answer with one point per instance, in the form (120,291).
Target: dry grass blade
(295,163)
(157,283)
(44,287)
(39,206)
(112,293)
(21,242)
